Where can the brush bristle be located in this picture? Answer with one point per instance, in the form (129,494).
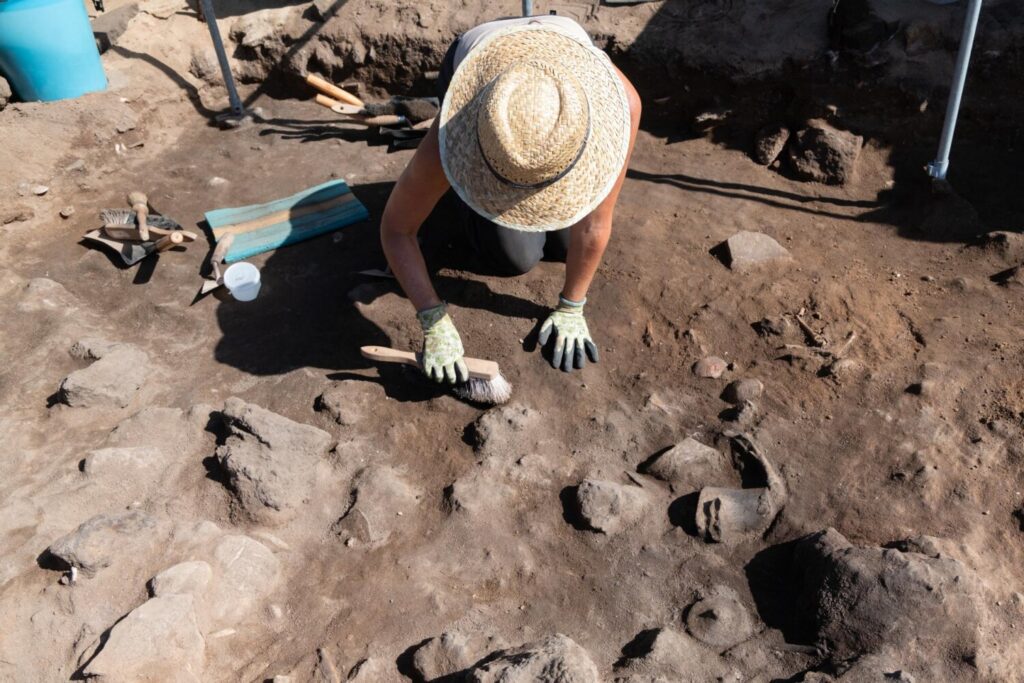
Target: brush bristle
(494,392)
(118,216)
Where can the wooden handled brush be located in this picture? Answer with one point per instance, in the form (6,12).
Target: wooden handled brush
(486,383)
(140,205)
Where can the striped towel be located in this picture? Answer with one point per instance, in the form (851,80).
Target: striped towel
(304,215)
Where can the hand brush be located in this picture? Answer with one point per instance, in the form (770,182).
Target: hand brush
(486,383)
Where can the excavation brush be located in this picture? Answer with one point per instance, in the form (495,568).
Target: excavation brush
(486,383)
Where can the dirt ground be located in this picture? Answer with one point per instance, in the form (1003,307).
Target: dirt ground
(920,432)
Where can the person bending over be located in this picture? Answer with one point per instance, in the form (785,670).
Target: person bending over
(535,131)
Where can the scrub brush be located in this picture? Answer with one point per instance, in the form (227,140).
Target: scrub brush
(486,383)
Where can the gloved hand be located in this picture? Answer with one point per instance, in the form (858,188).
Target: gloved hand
(442,347)
(572,338)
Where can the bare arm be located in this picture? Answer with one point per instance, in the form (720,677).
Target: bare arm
(417,191)
(589,237)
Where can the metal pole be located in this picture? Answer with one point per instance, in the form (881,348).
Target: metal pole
(222,57)
(938,168)
(527,8)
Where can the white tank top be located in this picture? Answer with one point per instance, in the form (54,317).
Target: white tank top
(473,36)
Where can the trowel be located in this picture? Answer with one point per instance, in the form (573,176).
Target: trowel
(133,252)
(217,279)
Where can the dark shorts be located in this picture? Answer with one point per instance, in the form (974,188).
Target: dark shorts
(502,250)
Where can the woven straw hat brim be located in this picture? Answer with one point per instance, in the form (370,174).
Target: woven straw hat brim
(570,198)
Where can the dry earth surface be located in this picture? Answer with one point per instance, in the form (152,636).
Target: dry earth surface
(799,459)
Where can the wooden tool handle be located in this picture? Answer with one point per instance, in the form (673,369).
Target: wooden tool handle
(383,120)
(338,107)
(140,205)
(478,368)
(221,250)
(168,241)
(332,90)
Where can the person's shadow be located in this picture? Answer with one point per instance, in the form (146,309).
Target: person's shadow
(307,314)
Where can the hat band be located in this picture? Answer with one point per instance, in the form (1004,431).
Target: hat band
(543,183)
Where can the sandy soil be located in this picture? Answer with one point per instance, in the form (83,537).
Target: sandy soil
(920,433)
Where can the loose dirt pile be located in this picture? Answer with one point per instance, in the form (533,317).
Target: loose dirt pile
(800,457)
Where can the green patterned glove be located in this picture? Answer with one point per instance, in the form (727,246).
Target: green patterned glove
(572,338)
(442,348)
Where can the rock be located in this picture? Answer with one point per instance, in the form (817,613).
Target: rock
(205,67)
(731,515)
(861,599)
(43,294)
(111,381)
(445,655)
(16,214)
(67,212)
(555,659)
(769,143)
(108,27)
(372,670)
(380,498)
(743,415)
(127,120)
(270,460)
(247,572)
(743,390)
(92,348)
(347,402)
(823,154)
(157,641)
(607,507)
(325,670)
(663,655)
(97,542)
(500,427)
(216,181)
(477,493)
(710,367)
(688,462)
(130,462)
(5,93)
(185,577)
(39,190)
(747,251)
(719,620)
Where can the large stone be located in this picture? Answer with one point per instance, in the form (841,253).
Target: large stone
(246,573)
(823,154)
(555,659)
(97,542)
(185,577)
(862,599)
(769,143)
(449,654)
(380,497)
(157,642)
(608,507)
(373,670)
(689,462)
(500,430)
(348,402)
(108,27)
(111,381)
(270,460)
(743,391)
(5,93)
(748,251)
(123,465)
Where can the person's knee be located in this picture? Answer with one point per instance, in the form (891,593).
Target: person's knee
(520,261)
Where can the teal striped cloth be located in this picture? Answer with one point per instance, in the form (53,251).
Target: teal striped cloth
(302,216)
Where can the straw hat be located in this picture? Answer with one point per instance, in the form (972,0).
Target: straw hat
(534,128)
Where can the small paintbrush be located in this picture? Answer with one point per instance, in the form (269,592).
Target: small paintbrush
(486,383)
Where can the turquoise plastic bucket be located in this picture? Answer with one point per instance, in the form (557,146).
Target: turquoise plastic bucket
(47,50)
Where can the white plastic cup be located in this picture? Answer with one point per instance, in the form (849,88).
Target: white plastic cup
(242,280)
